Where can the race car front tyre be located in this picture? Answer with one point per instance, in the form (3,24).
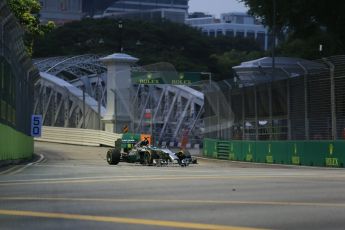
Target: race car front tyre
(113,156)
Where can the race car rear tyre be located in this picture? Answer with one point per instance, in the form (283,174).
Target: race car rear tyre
(113,156)
(147,158)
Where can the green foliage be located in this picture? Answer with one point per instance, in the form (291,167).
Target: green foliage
(308,46)
(184,47)
(309,22)
(231,58)
(27,12)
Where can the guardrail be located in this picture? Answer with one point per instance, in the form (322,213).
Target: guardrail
(75,136)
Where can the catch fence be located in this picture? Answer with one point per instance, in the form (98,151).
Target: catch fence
(295,100)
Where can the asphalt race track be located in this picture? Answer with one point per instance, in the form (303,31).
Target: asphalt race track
(73,187)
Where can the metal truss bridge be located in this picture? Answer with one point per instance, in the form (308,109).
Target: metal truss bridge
(72,92)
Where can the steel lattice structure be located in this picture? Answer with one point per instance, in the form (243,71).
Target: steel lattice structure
(176,110)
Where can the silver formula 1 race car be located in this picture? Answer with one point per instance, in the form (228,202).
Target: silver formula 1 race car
(130,151)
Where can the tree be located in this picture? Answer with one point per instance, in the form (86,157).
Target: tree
(27,13)
(307,20)
(224,62)
(186,48)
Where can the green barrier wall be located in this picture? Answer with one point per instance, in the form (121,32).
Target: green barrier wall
(14,145)
(209,149)
(310,153)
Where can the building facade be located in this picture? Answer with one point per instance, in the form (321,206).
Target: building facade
(172,10)
(61,11)
(233,25)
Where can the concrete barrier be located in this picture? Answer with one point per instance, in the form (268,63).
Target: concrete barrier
(88,137)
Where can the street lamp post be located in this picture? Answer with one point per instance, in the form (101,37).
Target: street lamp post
(120,27)
(274,33)
(99,99)
(84,110)
(273,66)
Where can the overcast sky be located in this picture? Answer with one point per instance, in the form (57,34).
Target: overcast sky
(216,7)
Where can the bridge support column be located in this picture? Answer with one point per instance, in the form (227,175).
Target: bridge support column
(118,91)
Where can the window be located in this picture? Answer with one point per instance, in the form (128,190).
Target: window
(219,33)
(229,33)
(240,34)
(212,33)
(251,34)
(63,5)
(180,2)
(240,19)
(260,38)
